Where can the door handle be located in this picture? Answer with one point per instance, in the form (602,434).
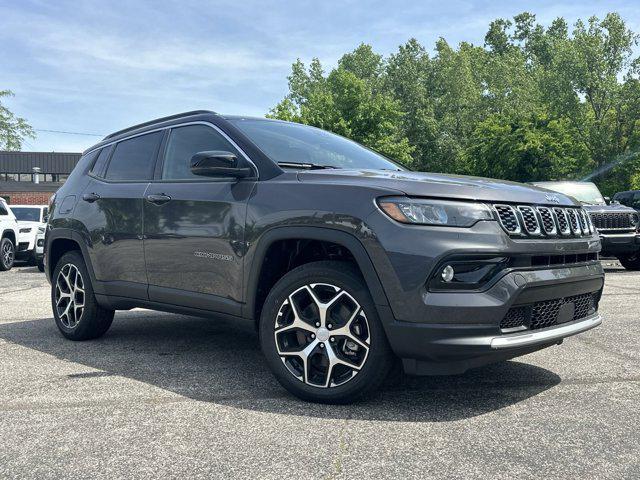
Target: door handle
(158,199)
(90,197)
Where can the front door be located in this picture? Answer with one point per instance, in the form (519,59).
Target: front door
(194,227)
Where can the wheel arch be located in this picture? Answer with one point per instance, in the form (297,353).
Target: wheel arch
(61,241)
(11,235)
(340,238)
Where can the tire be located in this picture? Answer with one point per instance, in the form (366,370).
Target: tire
(85,322)
(631,262)
(41,265)
(346,360)
(7,254)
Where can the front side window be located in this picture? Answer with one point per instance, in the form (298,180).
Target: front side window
(3,209)
(26,214)
(134,159)
(184,143)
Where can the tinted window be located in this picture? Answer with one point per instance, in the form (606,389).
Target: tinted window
(184,143)
(101,162)
(286,142)
(134,159)
(26,214)
(635,203)
(3,210)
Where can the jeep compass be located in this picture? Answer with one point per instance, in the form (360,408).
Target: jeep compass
(343,259)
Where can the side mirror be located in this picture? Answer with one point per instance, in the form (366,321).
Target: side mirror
(607,200)
(218,163)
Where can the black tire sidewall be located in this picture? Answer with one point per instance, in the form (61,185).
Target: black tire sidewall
(3,266)
(379,359)
(87,327)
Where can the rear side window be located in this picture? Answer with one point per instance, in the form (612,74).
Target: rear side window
(101,163)
(134,159)
(3,210)
(184,143)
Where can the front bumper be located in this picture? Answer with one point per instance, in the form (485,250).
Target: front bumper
(614,244)
(465,331)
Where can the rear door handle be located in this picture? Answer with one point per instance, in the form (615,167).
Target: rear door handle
(158,199)
(90,197)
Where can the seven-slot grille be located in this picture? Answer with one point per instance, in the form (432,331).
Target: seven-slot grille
(613,221)
(527,220)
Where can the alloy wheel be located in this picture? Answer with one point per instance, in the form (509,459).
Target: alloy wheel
(69,295)
(322,335)
(7,254)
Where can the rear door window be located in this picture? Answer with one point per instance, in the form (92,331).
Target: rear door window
(134,159)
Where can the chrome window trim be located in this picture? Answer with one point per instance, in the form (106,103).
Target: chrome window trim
(169,127)
(537,231)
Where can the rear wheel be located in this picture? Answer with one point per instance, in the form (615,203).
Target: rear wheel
(75,310)
(7,254)
(321,334)
(631,262)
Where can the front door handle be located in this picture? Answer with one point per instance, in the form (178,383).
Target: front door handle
(90,197)
(158,199)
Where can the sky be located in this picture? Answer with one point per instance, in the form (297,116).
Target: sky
(94,67)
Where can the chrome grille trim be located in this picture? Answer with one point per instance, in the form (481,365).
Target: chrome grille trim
(530,220)
(548,221)
(507,216)
(573,222)
(563,221)
(543,221)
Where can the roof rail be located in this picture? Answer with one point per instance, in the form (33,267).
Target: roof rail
(158,120)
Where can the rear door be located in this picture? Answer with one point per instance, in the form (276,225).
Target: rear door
(111,208)
(194,226)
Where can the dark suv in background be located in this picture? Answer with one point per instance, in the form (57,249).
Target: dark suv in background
(617,224)
(342,259)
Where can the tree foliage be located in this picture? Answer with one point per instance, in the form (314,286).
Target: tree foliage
(534,102)
(13,130)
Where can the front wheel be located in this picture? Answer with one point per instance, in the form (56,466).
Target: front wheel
(631,262)
(7,254)
(321,335)
(75,309)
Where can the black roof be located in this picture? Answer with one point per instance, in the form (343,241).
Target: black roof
(49,162)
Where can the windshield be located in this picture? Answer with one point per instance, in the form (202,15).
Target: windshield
(25,214)
(584,192)
(291,143)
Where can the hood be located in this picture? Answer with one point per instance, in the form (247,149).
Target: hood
(616,207)
(27,224)
(420,184)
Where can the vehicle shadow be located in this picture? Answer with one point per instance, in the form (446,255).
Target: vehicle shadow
(213,360)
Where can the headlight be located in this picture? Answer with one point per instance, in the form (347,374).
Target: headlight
(25,230)
(434,212)
(40,229)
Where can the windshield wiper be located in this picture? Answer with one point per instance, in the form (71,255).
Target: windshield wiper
(307,166)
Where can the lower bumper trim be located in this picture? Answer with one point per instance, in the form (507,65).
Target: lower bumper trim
(547,335)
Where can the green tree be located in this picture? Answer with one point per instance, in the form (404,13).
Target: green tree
(349,101)
(13,130)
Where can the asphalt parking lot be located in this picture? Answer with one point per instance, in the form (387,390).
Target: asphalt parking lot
(167,396)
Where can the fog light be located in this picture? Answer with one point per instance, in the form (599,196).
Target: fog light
(448,273)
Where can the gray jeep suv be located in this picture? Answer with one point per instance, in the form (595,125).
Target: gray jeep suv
(343,259)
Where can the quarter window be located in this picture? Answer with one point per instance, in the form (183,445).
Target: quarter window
(184,143)
(134,159)
(101,162)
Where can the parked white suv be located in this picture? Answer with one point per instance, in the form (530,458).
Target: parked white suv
(9,232)
(32,220)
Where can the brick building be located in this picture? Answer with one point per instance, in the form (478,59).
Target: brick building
(32,177)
